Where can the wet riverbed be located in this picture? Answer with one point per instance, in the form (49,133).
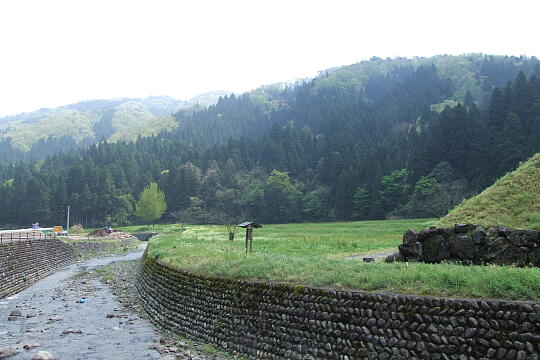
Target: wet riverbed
(73,315)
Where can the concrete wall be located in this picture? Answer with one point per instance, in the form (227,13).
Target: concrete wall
(277,321)
(24,262)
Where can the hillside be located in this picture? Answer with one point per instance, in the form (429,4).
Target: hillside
(49,131)
(312,151)
(465,79)
(512,201)
(409,84)
(476,74)
(93,120)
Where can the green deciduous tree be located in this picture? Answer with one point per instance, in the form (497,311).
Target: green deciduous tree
(394,190)
(151,204)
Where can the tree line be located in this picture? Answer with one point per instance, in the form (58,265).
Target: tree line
(296,153)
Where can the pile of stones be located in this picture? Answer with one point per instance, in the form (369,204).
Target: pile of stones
(470,244)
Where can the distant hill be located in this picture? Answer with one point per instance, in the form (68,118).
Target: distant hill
(475,73)
(513,201)
(417,83)
(90,121)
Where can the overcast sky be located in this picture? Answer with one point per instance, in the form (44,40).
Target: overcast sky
(58,52)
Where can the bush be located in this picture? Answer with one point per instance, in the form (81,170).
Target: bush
(77,229)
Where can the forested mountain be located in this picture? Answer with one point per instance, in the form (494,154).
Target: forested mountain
(408,138)
(44,132)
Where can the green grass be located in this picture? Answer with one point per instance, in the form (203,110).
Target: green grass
(306,239)
(319,255)
(513,201)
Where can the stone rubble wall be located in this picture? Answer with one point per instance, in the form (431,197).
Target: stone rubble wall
(22,263)
(279,321)
(25,262)
(471,244)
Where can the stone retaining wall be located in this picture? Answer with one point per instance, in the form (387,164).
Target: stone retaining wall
(86,248)
(24,262)
(277,321)
(471,244)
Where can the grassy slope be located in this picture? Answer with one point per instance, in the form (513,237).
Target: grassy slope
(513,201)
(318,255)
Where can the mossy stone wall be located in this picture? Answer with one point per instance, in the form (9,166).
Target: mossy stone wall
(25,262)
(278,321)
(471,244)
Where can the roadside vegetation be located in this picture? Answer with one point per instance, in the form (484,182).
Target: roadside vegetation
(323,255)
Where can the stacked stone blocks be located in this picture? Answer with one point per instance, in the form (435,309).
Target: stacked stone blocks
(24,262)
(280,321)
(471,244)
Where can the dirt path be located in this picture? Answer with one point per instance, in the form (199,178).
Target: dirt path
(73,315)
(377,256)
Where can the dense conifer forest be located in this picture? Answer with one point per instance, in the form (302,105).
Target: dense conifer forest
(379,139)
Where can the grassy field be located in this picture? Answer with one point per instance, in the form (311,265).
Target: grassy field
(512,201)
(320,255)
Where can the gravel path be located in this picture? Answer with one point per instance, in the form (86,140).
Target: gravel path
(88,311)
(378,257)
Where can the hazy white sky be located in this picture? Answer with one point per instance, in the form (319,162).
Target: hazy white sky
(58,52)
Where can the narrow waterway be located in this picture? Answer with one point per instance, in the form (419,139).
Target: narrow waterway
(73,315)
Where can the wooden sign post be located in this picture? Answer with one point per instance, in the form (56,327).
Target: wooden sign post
(249,226)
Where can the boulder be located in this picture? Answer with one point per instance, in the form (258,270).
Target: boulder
(494,249)
(397,256)
(435,249)
(426,234)
(14,315)
(534,258)
(410,237)
(411,250)
(479,236)
(43,355)
(463,248)
(463,228)
(7,352)
(528,238)
(501,231)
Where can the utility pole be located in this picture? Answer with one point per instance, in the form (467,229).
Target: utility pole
(67,230)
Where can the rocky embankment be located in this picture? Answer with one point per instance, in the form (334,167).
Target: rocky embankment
(73,315)
(85,311)
(471,244)
(121,277)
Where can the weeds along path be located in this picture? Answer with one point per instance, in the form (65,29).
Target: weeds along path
(73,315)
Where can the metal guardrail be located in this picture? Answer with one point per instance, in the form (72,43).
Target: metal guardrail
(16,237)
